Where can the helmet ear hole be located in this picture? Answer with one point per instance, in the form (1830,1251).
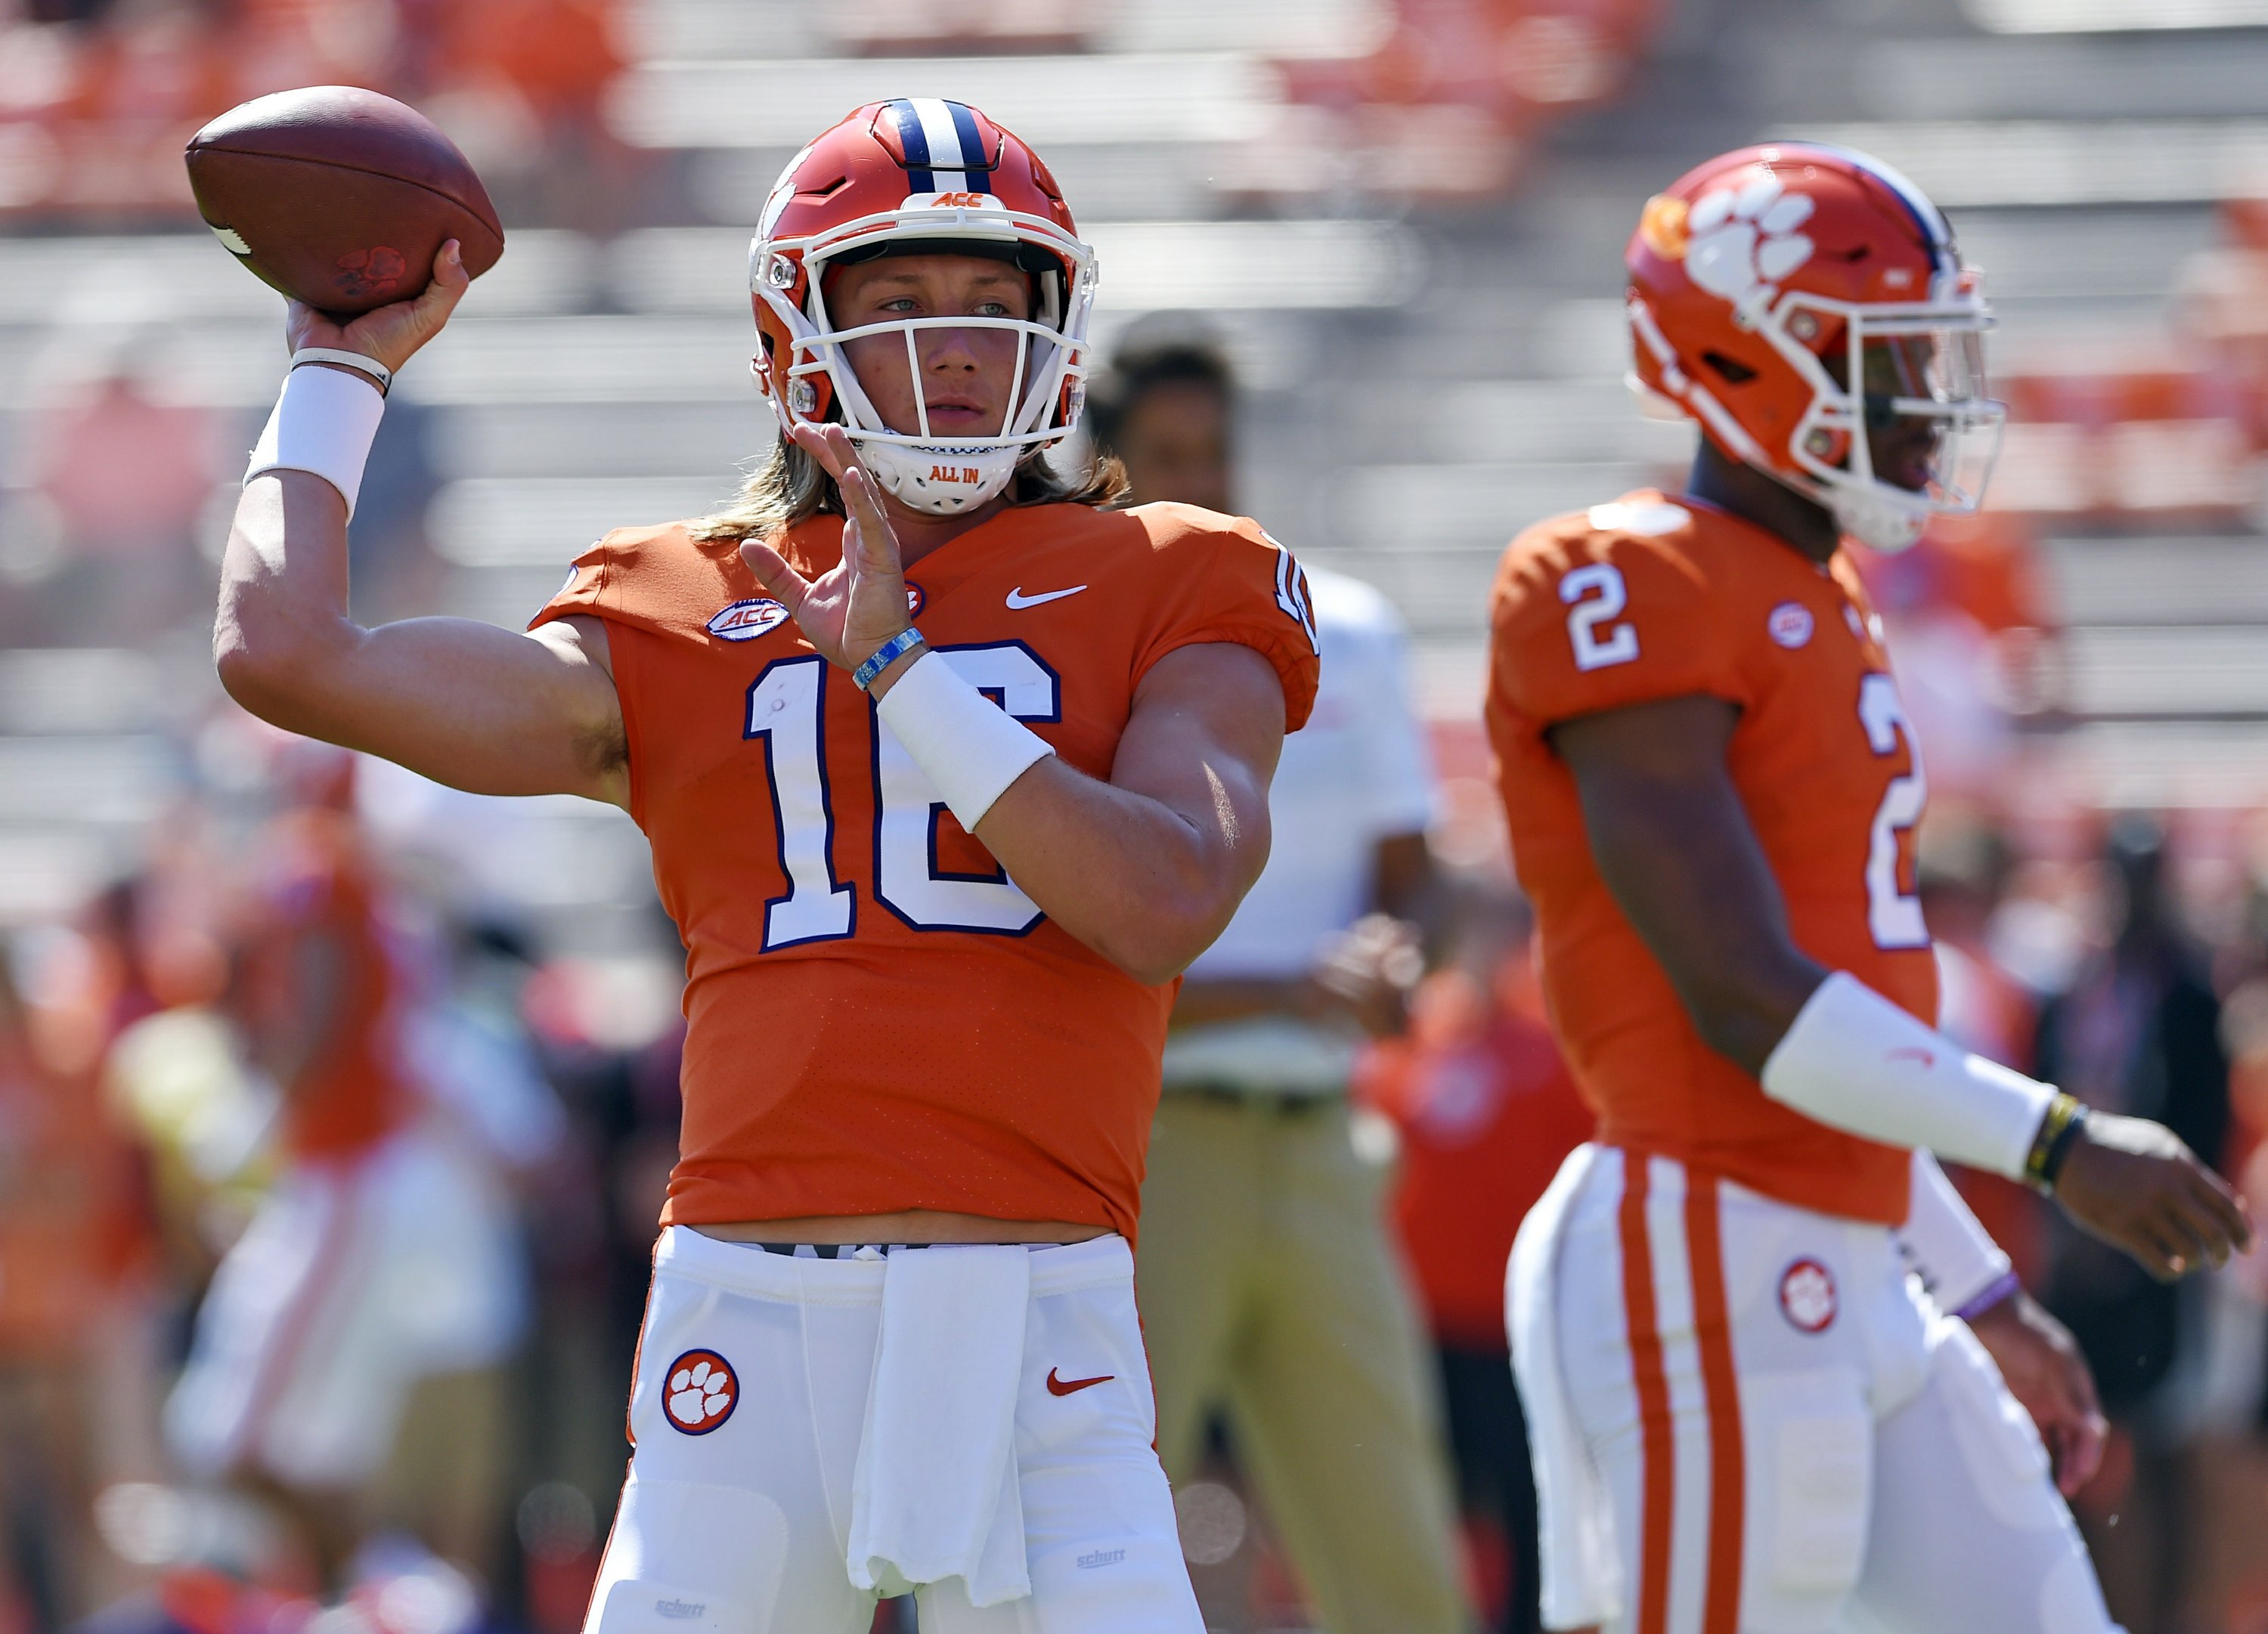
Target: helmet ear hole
(1732,370)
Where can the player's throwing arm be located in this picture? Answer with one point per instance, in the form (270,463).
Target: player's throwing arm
(464,703)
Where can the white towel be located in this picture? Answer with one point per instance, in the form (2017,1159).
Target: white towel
(935,1493)
(1582,1573)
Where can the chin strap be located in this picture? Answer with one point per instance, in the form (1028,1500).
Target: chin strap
(1873,521)
(938,478)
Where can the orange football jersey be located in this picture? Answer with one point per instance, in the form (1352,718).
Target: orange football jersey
(877,1018)
(316,881)
(1647,599)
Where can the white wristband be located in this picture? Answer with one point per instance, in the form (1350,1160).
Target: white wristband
(1855,1061)
(1954,1256)
(324,422)
(968,746)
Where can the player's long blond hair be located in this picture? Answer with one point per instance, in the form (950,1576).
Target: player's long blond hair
(791,487)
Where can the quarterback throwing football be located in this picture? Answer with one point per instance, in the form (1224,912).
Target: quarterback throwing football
(948,772)
(1743,1421)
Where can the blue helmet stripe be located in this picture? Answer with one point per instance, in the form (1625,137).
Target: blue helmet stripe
(972,149)
(915,140)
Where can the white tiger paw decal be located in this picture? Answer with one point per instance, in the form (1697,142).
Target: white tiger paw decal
(1744,241)
(701,1391)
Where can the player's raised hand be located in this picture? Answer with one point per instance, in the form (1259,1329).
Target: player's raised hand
(2134,1184)
(860,602)
(392,333)
(2040,1364)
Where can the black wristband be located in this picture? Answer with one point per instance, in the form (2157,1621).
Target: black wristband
(2058,1131)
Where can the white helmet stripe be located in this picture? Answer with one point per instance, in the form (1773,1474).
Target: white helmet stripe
(948,164)
(1934,228)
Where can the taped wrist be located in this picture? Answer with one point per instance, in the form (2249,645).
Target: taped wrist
(1855,1061)
(1955,1257)
(967,745)
(324,422)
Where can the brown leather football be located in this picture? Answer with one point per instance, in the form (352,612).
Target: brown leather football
(340,197)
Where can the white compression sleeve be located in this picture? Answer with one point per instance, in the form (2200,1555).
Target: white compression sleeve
(968,746)
(324,422)
(1855,1061)
(1955,1256)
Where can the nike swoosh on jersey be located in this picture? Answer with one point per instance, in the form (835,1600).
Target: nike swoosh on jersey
(1018,600)
(1064,1387)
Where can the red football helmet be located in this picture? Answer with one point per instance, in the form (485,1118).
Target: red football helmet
(920,171)
(1794,298)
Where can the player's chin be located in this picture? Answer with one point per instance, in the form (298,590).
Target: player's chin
(1907,465)
(963,422)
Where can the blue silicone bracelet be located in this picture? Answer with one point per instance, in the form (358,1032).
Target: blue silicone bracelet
(882,656)
(1990,1294)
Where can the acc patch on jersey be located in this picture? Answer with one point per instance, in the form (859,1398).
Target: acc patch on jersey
(1807,1296)
(1790,624)
(700,1392)
(745,620)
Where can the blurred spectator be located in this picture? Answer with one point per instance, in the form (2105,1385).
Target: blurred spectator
(2138,1031)
(1961,868)
(73,1258)
(1485,1111)
(1268,1287)
(383,1257)
(97,97)
(1451,99)
(126,478)
(487,1106)
(1970,630)
(520,84)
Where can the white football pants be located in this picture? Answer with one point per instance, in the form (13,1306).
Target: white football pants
(353,1282)
(1782,1434)
(737,1516)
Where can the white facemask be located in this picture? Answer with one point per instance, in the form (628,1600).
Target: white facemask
(928,472)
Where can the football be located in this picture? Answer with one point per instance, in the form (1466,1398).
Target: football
(340,197)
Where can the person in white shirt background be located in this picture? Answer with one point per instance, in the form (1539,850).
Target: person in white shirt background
(1270,1294)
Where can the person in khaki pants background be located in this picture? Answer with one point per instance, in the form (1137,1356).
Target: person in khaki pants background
(1268,1289)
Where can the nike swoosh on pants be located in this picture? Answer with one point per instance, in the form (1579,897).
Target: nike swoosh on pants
(1064,1387)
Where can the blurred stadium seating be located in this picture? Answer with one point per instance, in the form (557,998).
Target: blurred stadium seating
(1431,373)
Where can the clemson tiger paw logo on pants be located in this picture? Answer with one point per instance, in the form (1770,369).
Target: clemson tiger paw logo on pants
(700,1393)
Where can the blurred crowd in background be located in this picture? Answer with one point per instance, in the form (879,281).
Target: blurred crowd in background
(181,889)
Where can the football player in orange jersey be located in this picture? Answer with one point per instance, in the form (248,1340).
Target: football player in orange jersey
(1743,1418)
(949,771)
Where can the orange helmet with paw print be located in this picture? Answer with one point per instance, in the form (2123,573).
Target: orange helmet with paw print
(1807,305)
(920,173)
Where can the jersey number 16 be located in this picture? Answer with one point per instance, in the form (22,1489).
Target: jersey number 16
(787,712)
